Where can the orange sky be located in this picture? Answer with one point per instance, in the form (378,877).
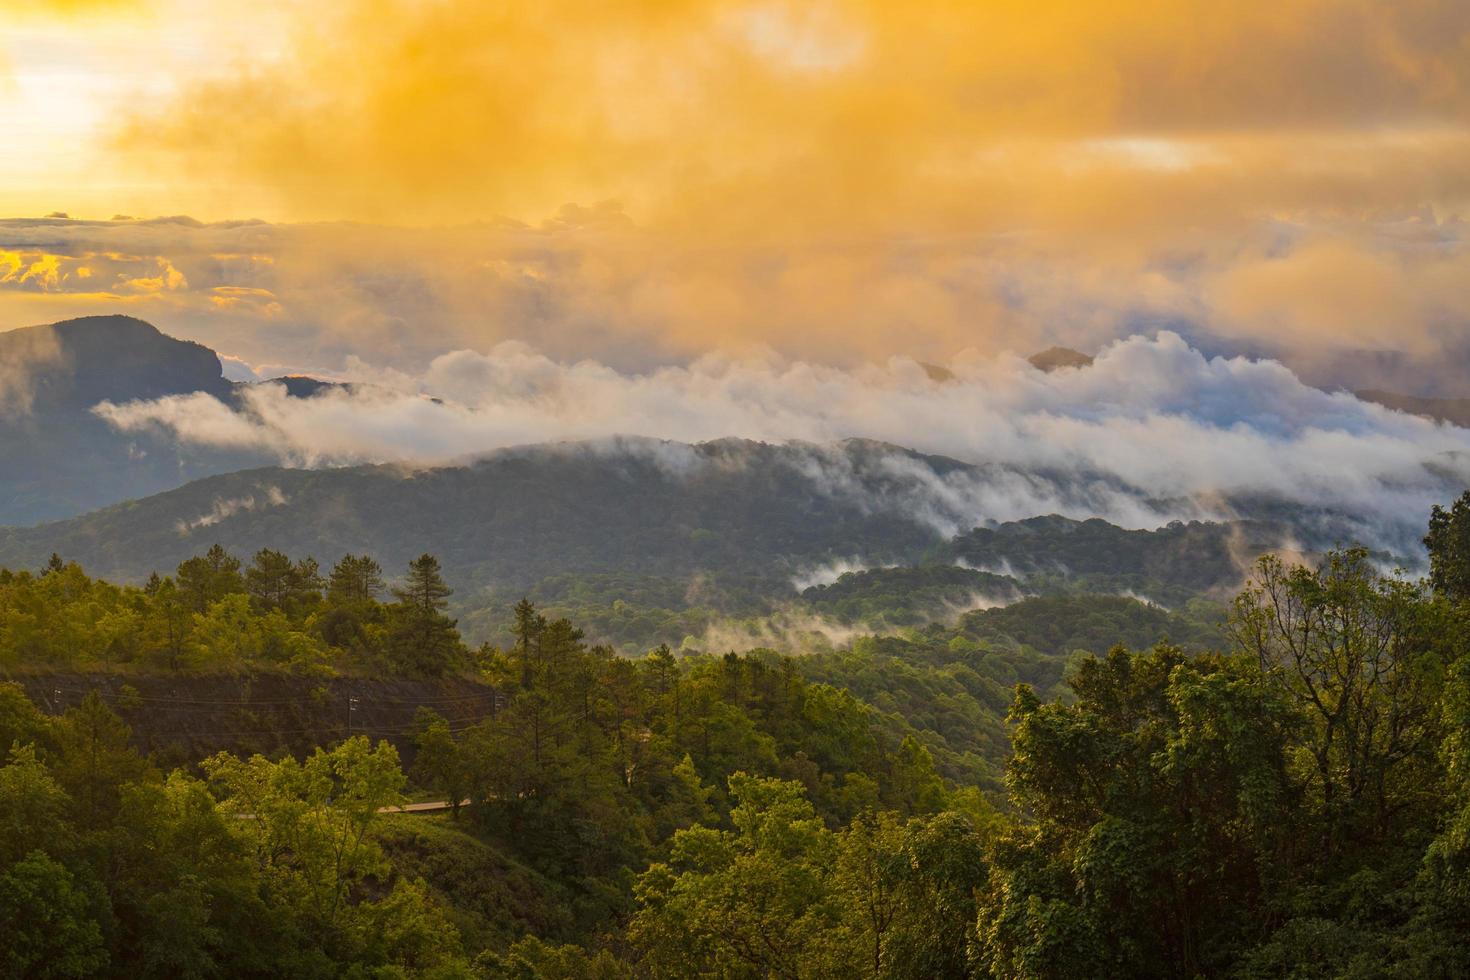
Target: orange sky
(813,138)
(871,115)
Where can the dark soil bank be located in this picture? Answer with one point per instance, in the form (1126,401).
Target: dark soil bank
(188,717)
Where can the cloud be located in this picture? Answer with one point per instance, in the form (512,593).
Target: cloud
(1334,294)
(838,180)
(21,355)
(235,369)
(775,119)
(307,298)
(828,573)
(75,8)
(787,629)
(225,508)
(1153,431)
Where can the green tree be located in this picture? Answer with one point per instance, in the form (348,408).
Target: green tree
(355,579)
(93,760)
(46,922)
(908,890)
(20,721)
(1448,542)
(33,807)
(439,763)
(1363,657)
(309,823)
(208,578)
(167,625)
(1164,817)
(758,901)
(424,639)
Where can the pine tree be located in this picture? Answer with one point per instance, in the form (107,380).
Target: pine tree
(424,640)
(425,590)
(355,580)
(207,578)
(528,627)
(268,579)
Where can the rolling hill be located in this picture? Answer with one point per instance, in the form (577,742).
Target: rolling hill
(629,535)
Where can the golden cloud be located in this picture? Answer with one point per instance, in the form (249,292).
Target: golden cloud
(769,119)
(836,180)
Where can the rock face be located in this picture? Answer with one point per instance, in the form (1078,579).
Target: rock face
(62,460)
(72,365)
(1059,357)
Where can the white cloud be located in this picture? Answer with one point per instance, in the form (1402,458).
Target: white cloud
(225,508)
(1153,430)
(235,369)
(828,573)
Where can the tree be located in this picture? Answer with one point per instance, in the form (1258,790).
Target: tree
(869,875)
(354,580)
(20,721)
(913,784)
(689,799)
(269,579)
(168,624)
(206,579)
(528,626)
(351,605)
(93,760)
(439,763)
(275,582)
(1163,817)
(756,901)
(308,823)
(1448,542)
(424,640)
(47,923)
(908,890)
(1362,656)
(227,635)
(33,807)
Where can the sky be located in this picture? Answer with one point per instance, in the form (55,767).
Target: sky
(644,182)
(686,220)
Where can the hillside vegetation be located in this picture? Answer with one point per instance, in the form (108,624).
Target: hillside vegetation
(639,553)
(964,800)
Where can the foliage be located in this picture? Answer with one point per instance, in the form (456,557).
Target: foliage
(966,801)
(276,614)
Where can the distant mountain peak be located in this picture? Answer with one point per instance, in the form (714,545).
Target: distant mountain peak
(108,358)
(61,458)
(936,373)
(1054,358)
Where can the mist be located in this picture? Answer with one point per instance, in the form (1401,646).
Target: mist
(1153,431)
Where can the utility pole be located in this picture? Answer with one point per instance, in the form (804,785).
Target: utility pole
(351,710)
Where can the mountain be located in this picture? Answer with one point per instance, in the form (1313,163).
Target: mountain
(635,533)
(638,506)
(1059,357)
(1058,625)
(1169,565)
(60,458)
(68,367)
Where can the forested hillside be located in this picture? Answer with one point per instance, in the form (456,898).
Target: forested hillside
(969,800)
(641,551)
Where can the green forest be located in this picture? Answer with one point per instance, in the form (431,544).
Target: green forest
(1066,786)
